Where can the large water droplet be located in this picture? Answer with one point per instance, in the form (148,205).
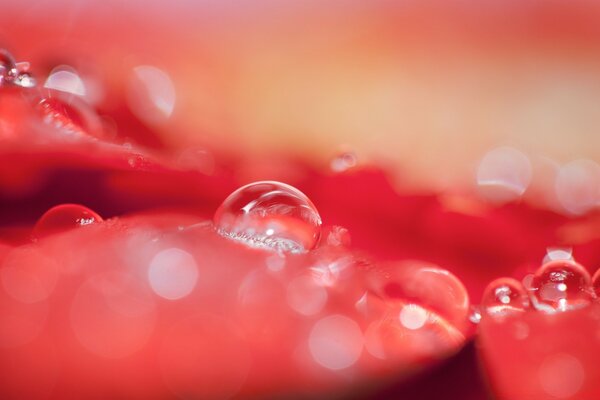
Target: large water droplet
(64,217)
(270,215)
(561,285)
(504,296)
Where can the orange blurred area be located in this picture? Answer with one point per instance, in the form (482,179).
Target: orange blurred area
(425,88)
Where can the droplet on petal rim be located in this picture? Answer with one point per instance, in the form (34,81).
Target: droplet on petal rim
(558,253)
(429,286)
(504,296)
(561,285)
(64,217)
(270,215)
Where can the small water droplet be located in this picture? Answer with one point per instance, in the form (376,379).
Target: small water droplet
(560,285)
(338,236)
(14,73)
(558,253)
(475,315)
(270,215)
(64,217)
(504,296)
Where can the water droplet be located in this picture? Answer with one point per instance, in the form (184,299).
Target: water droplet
(343,162)
(8,68)
(338,236)
(504,296)
(561,285)
(64,217)
(475,315)
(430,287)
(558,253)
(270,215)
(15,73)
(65,79)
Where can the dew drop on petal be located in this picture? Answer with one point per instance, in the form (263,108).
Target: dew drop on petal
(64,217)
(270,215)
(8,68)
(558,253)
(336,342)
(65,79)
(173,273)
(504,174)
(578,186)
(433,288)
(559,286)
(504,296)
(475,315)
(338,236)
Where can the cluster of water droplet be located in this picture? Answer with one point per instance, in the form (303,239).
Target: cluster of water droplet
(560,284)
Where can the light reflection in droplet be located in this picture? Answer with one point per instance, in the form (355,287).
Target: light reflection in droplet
(151,94)
(336,342)
(561,375)
(173,273)
(578,186)
(504,174)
